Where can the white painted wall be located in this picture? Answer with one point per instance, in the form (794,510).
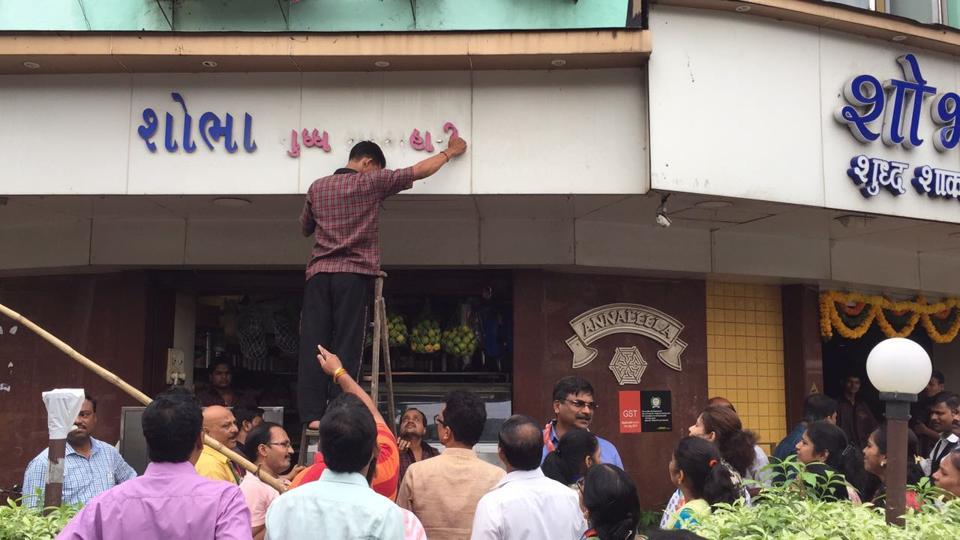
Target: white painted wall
(578,131)
(743,106)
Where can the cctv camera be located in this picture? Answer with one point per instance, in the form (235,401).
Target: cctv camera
(663,220)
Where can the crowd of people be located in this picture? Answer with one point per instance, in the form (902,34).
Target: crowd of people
(560,480)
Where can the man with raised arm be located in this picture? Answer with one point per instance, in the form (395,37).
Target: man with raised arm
(342,213)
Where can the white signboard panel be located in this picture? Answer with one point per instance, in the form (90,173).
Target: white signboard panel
(262,107)
(733,116)
(275,133)
(64,135)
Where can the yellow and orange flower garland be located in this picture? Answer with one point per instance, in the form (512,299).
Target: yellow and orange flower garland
(854,304)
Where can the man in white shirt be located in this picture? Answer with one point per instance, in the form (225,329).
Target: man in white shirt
(525,503)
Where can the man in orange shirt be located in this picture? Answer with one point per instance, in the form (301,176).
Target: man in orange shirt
(386,473)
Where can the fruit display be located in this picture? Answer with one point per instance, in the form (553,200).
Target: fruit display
(460,341)
(425,337)
(396,330)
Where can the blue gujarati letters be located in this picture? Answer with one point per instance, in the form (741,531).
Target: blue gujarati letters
(212,130)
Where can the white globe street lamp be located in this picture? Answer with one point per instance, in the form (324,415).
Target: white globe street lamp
(899,369)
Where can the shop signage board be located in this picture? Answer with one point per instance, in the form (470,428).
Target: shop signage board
(762,122)
(618,318)
(529,132)
(891,111)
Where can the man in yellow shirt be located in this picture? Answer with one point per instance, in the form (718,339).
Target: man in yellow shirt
(219,424)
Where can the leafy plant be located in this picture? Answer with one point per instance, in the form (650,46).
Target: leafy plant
(20,522)
(793,510)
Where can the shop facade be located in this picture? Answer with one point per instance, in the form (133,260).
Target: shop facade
(147,215)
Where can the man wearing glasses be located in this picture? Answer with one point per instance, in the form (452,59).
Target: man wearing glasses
(574,406)
(267,445)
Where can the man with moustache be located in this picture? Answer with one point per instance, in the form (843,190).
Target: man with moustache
(574,405)
(267,445)
(91,466)
(413,427)
(220,425)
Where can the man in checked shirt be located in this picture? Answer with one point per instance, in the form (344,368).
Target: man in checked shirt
(342,212)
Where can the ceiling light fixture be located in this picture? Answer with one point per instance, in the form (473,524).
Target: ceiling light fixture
(31,65)
(742,9)
(209,64)
(713,204)
(232,202)
(899,37)
(854,221)
(381,63)
(663,219)
(558,62)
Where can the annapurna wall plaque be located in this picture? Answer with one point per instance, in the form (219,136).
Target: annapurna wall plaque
(610,319)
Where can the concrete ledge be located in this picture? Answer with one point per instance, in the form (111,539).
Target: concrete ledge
(151,53)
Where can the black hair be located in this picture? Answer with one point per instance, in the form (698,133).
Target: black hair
(367,149)
(465,414)
(938,375)
(243,414)
(566,463)
(571,385)
(950,399)
(735,443)
(705,472)
(521,440)
(954,458)
(172,423)
(818,407)
(914,471)
(348,434)
(610,496)
(258,435)
(92,400)
(842,457)
(222,362)
(422,415)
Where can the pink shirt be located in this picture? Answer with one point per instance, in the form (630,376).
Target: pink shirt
(259,495)
(169,502)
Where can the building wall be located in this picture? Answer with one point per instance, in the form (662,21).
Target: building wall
(745,355)
(103,316)
(544,305)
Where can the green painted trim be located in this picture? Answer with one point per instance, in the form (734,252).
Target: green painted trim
(310,15)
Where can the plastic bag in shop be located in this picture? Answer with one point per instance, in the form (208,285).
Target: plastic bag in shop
(63,406)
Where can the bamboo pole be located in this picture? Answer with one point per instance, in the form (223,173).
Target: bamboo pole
(269,479)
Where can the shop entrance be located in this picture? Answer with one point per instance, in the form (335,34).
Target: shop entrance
(448,329)
(843,357)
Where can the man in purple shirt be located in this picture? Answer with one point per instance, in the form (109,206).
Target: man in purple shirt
(170,501)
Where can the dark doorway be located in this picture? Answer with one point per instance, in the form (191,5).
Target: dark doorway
(843,357)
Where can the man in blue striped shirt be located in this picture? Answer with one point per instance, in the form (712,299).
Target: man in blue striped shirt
(90,466)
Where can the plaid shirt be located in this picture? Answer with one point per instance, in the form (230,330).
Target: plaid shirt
(407,459)
(342,212)
(83,478)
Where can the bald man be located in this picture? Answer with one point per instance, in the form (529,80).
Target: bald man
(219,424)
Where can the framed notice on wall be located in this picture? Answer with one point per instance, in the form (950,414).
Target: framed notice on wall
(645,411)
(655,411)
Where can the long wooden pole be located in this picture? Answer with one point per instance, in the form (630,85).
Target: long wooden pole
(137,394)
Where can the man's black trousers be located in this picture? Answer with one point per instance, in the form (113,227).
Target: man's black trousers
(335,313)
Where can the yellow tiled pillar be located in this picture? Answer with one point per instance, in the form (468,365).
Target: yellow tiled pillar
(745,355)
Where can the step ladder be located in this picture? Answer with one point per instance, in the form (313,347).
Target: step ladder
(310,438)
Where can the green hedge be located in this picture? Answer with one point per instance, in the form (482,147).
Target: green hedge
(18,522)
(794,511)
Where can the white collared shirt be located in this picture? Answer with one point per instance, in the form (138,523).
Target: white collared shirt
(528,505)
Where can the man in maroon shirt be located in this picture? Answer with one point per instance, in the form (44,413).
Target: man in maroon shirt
(342,212)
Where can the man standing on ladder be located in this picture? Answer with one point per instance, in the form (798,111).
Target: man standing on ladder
(342,212)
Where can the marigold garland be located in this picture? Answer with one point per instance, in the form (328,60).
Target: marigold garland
(919,310)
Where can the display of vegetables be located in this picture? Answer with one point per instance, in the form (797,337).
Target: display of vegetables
(397,330)
(460,341)
(425,337)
